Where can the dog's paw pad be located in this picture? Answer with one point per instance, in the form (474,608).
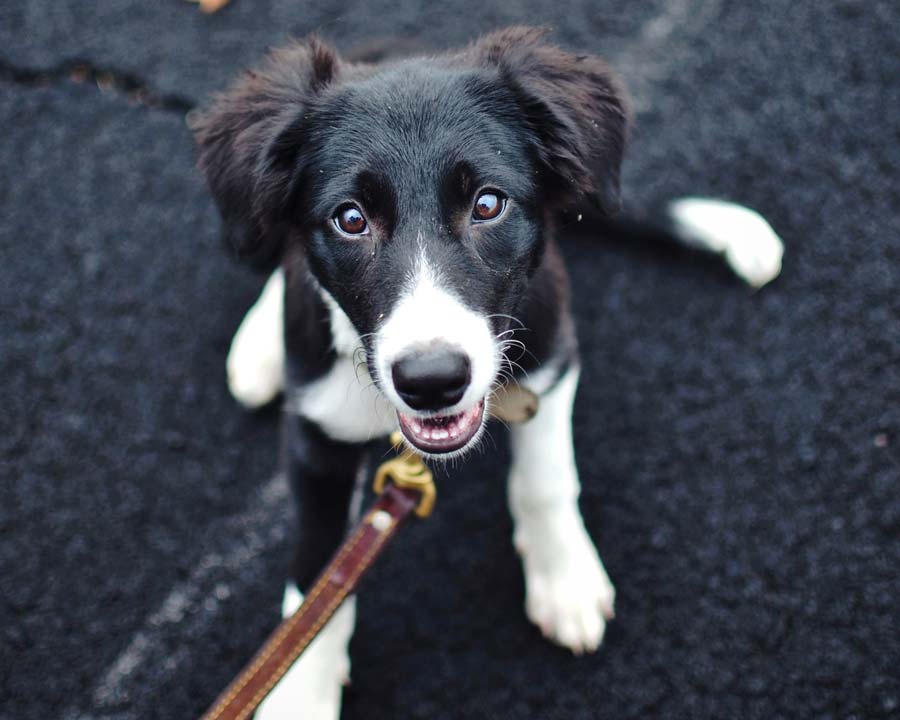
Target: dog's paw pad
(572,604)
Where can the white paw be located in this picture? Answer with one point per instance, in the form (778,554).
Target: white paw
(756,260)
(312,688)
(750,245)
(309,690)
(571,600)
(255,364)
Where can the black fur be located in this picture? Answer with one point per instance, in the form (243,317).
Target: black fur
(322,473)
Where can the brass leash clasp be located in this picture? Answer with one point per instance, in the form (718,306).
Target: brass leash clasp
(409,472)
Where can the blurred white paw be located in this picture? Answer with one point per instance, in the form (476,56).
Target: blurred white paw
(756,259)
(572,599)
(312,688)
(255,364)
(742,235)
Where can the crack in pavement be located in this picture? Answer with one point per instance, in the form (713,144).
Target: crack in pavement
(114,82)
(642,62)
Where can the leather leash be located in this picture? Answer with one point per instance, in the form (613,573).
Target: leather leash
(405,486)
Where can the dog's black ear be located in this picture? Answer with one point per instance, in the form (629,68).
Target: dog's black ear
(576,109)
(242,145)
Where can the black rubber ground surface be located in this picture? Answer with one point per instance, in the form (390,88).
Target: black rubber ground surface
(740,452)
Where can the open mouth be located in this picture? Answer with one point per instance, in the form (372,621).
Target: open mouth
(442,433)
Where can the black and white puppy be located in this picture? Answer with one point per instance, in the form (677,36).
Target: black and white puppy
(410,208)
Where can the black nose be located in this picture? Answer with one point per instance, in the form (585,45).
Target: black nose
(431,380)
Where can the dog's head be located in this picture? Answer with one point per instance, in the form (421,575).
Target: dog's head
(420,192)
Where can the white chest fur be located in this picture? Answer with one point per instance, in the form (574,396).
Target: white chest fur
(345,404)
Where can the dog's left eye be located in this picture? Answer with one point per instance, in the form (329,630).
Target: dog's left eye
(350,221)
(488,206)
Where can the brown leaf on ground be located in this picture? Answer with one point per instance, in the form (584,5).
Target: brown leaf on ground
(211,6)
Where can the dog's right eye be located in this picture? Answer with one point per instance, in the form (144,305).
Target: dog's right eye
(350,221)
(489,205)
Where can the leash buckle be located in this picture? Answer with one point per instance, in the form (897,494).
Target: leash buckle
(407,471)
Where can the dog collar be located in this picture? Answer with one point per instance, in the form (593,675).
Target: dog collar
(513,403)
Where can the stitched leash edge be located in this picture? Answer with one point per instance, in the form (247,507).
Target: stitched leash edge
(226,706)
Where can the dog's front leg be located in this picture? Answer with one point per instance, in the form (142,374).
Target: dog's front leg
(323,474)
(568,594)
(255,365)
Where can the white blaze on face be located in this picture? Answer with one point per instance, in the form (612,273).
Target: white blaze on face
(428,314)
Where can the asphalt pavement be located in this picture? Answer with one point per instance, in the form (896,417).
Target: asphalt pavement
(739,451)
